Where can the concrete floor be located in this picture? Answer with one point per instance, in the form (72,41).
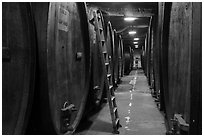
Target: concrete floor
(137,111)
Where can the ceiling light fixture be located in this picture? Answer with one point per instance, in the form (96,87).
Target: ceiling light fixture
(136,38)
(129,18)
(135,42)
(132,32)
(136,46)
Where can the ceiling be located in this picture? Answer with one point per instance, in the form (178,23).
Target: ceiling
(116,11)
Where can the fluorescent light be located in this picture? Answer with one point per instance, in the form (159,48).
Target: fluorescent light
(136,46)
(135,42)
(132,32)
(136,38)
(129,18)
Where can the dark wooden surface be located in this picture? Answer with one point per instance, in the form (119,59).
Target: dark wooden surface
(164,59)
(63,64)
(159,79)
(121,59)
(196,71)
(97,69)
(116,58)
(18,66)
(110,47)
(127,60)
(179,58)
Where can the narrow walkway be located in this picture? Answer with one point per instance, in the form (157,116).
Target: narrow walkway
(137,111)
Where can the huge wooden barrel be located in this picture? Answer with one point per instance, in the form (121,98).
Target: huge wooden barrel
(110,48)
(127,60)
(179,59)
(98,73)
(106,53)
(63,72)
(116,50)
(110,35)
(181,47)
(18,66)
(131,58)
(164,20)
(121,59)
(156,86)
(116,57)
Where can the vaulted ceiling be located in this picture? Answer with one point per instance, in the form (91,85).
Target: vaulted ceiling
(116,11)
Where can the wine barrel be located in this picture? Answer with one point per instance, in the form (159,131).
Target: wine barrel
(97,66)
(131,59)
(178,60)
(116,58)
(164,16)
(181,64)
(127,60)
(18,66)
(106,53)
(63,67)
(121,61)
(110,48)
(110,42)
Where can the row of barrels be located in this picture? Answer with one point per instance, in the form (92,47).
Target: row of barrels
(57,58)
(129,59)
(173,65)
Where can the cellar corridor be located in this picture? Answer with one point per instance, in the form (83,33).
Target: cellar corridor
(102,68)
(137,110)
